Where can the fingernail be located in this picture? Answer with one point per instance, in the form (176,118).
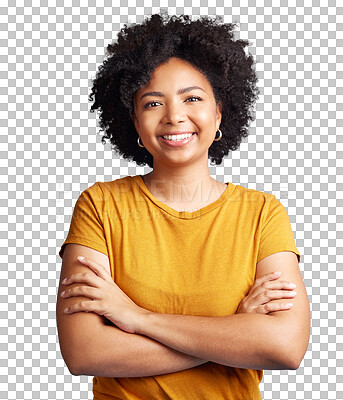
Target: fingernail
(64,280)
(66,310)
(80,258)
(292,285)
(62,293)
(277,273)
(289,305)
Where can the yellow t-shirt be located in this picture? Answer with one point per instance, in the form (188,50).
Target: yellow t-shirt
(178,262)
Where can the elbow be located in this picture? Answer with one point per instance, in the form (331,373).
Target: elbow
(291,347)
(298,357)
(286,360)
(74,359)
(74,370)
(293,363)
(74,367)
(293,355)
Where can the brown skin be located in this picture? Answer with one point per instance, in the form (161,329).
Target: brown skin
(269,337)
(92,346)
(180,177)
(171,343)
(277,340)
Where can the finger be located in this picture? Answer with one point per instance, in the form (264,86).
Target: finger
(99,269)
(85,291)
(278,284)
(265,278)
(268,295)
(85,306)
(268,277)
(84,277)
(272,307)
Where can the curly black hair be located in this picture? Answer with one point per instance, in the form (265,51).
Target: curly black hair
(207,44)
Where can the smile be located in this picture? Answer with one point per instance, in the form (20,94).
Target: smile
(178,140)
(178,137)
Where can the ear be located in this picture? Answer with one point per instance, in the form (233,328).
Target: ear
(219,114)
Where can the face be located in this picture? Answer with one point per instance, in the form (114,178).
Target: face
(177,100)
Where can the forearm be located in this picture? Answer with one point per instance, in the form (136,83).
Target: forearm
(114,353)
(242,340)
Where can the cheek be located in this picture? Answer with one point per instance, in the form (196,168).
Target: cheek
(146,128)
(148,121)
(142,125)
(204,118)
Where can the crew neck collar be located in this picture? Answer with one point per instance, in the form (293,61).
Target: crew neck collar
(183,214)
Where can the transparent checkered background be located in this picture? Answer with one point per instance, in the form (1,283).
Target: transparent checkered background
(51,152)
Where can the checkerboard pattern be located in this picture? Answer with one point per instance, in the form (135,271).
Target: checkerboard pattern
(51,152)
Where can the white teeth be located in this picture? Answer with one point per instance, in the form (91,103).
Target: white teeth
(176,138)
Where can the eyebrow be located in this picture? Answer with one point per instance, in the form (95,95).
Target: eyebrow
(180,91)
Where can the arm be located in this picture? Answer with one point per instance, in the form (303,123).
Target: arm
(277,340)
(90,347)
(118,354)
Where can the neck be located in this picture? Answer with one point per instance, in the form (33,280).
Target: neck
(192,184)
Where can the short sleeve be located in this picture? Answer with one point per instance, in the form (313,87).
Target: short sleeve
(276,231)
(86,226)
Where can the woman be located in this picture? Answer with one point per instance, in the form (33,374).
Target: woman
(186,290)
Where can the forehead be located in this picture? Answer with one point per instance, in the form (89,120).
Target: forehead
(176,73)
(176,65)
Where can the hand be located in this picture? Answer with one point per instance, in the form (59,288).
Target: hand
(106,298)
(265,289)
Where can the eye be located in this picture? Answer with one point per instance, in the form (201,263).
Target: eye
(151,104)
(193,99)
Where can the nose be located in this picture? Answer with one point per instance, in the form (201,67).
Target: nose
(174,113)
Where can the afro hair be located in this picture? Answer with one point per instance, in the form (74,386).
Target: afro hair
(207,44)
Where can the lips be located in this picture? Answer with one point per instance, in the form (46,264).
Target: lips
(178,142)
(177,133)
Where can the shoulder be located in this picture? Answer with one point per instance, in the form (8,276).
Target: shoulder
(102,189)
(252,196)
(259,205)
(118,185)
(105,195)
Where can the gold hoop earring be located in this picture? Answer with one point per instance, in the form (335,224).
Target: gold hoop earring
(139,143)
(220,135)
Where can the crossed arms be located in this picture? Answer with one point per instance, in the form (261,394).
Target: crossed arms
(165,343)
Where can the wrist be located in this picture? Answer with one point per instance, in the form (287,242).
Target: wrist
(142,321)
